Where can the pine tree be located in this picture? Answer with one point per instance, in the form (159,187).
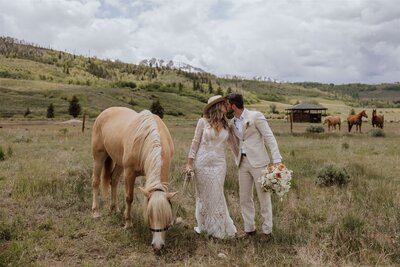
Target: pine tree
(201,88)
(219,91)
(180,86)
(74,107)
(210,88)
(194,85)
(229,91)
(50,111)
(157,109)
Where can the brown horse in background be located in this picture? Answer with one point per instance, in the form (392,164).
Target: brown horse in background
(377,120)
(356,120)
(135,144)
(332,121)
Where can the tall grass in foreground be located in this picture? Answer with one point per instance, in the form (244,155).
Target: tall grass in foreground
(45,202)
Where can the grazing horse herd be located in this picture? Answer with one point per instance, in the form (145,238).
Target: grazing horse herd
(333,121)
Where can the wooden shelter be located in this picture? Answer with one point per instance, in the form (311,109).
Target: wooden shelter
(306,112)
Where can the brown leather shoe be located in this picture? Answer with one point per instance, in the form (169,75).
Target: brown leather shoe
(266,237)
(245,235)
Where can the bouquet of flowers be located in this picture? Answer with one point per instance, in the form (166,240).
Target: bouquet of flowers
(276,179)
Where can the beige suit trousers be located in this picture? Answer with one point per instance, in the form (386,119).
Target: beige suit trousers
(248,176)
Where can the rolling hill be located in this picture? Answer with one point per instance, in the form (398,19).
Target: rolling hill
(33,77)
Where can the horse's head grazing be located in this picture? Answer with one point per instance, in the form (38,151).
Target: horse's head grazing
(158,212)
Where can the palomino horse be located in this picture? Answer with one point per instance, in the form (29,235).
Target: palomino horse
(124,141)
(377,120)
(357,120)
(332,121)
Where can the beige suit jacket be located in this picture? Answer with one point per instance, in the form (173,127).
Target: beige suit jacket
(254,139)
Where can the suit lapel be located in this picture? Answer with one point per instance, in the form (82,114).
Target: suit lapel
(246,122)
(235,130)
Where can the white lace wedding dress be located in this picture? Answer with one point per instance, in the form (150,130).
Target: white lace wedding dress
(207,150)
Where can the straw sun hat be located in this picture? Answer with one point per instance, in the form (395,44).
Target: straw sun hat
(212,101)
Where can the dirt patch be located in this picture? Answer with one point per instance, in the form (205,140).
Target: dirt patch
(73,121)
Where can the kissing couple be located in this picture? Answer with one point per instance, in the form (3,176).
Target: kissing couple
(248,135)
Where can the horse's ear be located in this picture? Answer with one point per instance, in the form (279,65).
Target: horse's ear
(171,195)
(145,192)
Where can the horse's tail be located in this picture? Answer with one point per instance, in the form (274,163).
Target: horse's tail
(106,176)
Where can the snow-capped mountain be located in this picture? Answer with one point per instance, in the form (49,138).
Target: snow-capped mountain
(154,62)
(173,64)
(265,79)
(254,78)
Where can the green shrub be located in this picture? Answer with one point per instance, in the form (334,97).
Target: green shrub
(331,174)
(377,133)
(315,129)
(157,109)
(345,146)
(125,84)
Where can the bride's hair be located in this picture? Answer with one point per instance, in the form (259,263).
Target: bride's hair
(215,116)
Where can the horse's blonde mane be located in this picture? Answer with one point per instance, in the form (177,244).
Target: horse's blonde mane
(148,142)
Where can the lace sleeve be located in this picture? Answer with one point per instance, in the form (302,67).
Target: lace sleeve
(233,142)
(196,139)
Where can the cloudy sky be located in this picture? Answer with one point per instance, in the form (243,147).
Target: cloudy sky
(332,41)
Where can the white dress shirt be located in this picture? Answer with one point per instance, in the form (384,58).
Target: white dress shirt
(239,124)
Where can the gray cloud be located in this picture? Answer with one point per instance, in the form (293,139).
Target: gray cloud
(337,41)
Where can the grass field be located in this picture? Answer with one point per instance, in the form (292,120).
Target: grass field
(45,204)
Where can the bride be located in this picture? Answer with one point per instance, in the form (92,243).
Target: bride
(207,160)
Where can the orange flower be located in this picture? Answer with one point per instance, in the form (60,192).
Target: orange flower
(281,167)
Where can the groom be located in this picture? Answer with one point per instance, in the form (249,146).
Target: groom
(254,134)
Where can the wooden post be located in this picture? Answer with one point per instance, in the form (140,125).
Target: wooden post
(291,122)
(83,122)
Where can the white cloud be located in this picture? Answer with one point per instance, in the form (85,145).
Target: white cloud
(300,40)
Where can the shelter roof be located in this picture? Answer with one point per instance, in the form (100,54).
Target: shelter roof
(307,106)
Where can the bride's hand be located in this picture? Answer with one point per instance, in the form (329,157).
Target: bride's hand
(189,168)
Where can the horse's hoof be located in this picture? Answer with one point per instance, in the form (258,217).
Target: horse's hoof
(96,214)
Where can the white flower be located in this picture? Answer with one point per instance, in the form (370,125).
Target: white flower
(276,179)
